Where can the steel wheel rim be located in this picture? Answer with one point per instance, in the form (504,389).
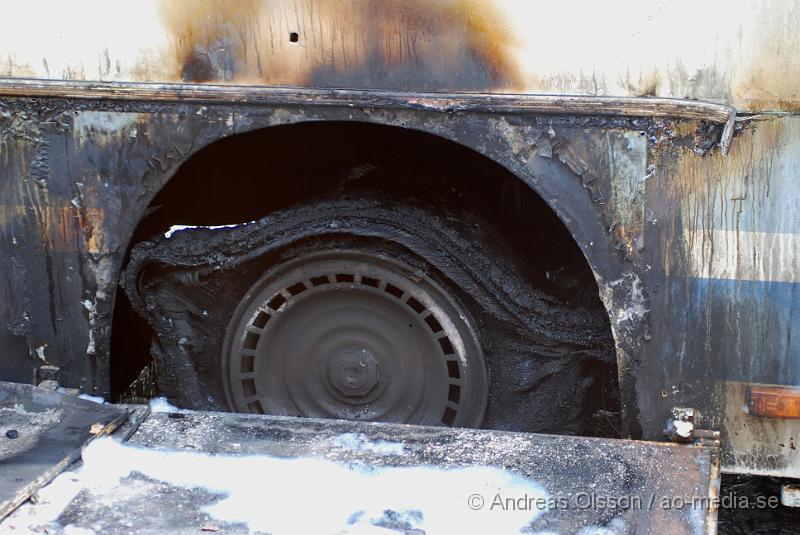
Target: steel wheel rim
(352,335)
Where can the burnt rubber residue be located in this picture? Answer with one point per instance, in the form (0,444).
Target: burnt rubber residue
(545,359)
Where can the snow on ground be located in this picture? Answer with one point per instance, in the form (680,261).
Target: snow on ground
(72,530)
(307,495)
(298,495)
(96,399)
(159,405)
(33,519)
(360,441)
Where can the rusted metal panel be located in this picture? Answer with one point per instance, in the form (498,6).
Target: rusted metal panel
(743,52)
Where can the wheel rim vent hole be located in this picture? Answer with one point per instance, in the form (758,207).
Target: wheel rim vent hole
(261,319)
(449,417)
(250,341)
(434,325)
(454,393)
(394,290)
(298,288)
(319,281)
(276,302)
(249,387)
(447,346)
(255,407)
(369,281)
(452,369)
(418,307)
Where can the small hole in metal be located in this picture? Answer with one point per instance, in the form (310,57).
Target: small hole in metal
(319,281)
(452,369)
(255,407)
(248,364)
(294,37)
(345,277)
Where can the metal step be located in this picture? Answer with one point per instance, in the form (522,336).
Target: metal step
(187,472)
(40,428)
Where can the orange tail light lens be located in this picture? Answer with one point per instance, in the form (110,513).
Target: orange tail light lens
(774,401)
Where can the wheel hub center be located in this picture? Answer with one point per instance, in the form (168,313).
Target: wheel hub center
(354,372)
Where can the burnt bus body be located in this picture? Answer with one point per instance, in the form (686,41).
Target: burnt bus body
(672,168)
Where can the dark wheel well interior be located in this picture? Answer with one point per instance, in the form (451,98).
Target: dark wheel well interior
(248,176)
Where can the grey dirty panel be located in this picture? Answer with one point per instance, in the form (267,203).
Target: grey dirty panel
(647,479)
(48,426)
(144,506)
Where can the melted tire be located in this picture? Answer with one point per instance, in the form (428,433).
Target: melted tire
(544,358)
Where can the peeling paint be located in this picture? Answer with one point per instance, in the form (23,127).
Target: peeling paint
(91,307)
(635,308)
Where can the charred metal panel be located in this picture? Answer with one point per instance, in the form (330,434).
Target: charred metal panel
(721,238)
(70,176)
(114,157)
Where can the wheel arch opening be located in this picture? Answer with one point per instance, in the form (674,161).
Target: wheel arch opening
(248,176)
